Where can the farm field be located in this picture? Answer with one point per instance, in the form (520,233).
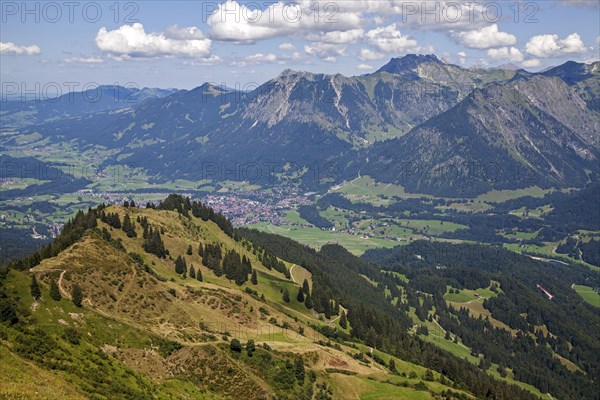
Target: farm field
(316,238)
(466,295)
(504,195)
(366,189)
(588,294)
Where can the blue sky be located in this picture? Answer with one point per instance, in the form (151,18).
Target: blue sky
(185,43)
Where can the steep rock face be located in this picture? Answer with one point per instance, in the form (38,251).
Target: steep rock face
(530,131)
(333,102)
(417,113)
(360,110)
(555,97)
(409,62)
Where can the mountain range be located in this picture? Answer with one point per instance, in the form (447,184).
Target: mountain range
(430,126)
(44,107)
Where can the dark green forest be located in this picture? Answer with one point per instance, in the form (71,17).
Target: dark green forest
(573,324)
(430,267)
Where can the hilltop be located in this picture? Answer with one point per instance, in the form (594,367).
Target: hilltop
(171,301)
(144,329)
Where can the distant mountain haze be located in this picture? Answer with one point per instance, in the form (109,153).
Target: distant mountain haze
(428,125)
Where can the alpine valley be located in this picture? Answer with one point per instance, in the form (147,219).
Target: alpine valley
(426,231)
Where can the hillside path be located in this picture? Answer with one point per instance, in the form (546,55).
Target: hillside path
(60,287)
(292,273)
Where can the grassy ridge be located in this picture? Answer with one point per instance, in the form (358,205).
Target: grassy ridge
(146,342)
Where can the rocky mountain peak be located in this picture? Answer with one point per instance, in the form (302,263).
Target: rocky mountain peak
(408,62)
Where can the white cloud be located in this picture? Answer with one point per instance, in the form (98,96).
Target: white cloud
(486,38)
(338,37)
(236,22)
(261,58)
(462,57)
(258,58)
(550,46)
(286,46)
(330,59)
(270,58)
(389,39)
(249,22)
(326,51)
(504,53)
(131,41)
(13,49)
(213,59)
(189,33)
(84,60)
(428,14)
(572,44)
(364,67)
(534,62)
(366,54)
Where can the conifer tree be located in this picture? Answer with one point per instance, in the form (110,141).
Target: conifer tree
(305,287)
(286,296)
(250,347)
(428,376)
(201,250)
(180,265)
(343,320)
(199,275)
(235,346)
(392,365)
(189,250)
(192,272)
(54,291)
(247,265)
(308,303)
(231,263)
(217,270)
(128,227)
(254,279)
(36,292)
(76,295)
(153,244)
(300,296)
(113,220)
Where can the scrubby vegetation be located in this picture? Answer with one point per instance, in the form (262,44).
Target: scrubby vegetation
(381,310)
